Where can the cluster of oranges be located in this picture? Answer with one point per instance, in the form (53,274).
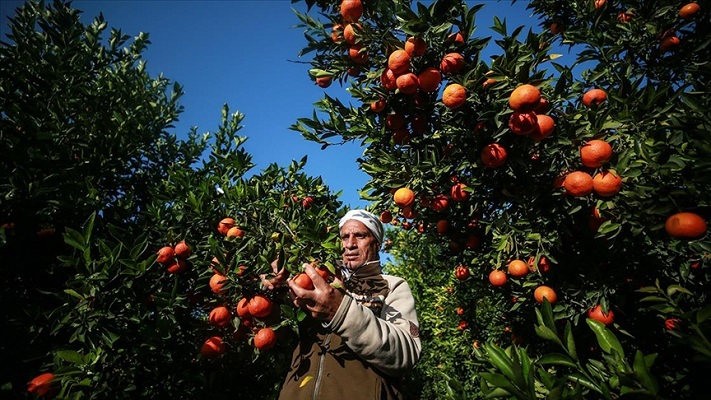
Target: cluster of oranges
(174,257)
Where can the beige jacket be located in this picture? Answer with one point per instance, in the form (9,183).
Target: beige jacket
(372,341)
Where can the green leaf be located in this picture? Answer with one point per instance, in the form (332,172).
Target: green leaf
(641,370)
(606,339)
(556,359)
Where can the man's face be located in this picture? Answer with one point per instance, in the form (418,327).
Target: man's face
(359,244)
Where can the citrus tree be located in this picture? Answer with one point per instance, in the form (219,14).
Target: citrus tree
(569,195)
(131,258)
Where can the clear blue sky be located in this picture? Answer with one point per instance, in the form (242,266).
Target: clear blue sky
(241,52)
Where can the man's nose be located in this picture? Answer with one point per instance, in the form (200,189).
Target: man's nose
(349,242)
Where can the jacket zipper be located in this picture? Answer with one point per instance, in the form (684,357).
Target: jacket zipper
(322,359)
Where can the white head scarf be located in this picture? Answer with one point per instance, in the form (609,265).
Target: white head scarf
(368,219)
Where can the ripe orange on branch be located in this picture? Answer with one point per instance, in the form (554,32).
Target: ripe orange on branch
(597,314)
(429,79)
(399,61)
(689,11)
(595,153)
(493,155)
(523,123)
(518,268)
(524,98)
(607,183)
(225,224)
(351,32)
(545,292)
(213,347)
(351,10)
(182,250)
(452,63)
(685,225)
(259,306)
(415,46)
(578,184)
(594,96)
(220,316)
(404,197)
(545,125)
(497,278)
(165,255)
(265,339)
(41,385)
(454,96)
(407,83)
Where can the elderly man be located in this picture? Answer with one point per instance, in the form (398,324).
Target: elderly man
(364,332)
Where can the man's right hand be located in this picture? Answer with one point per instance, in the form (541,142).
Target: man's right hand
(277,280)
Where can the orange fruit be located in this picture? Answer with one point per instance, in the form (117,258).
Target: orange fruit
(217,282)
(524,98)
(377,106)
(407,83)
(307,202)
(543,106)
(594,96)
(235,232)
(578,183)
(178,266)
(518,268)
(220,316)
(545,292)
(523,123)
(408,212)
(304,281)
(599,3)
(388,79)
(669,43)
(454,96)
(324,81)
(351,10)
(685,225)
(458,192)
(404,197)
(225,224)
(595,219)
(41,385)
(351,32)
(182,250)
(607,183)
(429,79)
(452,63)
(439,203)
(357,54)
(259,306)
(493,155)
(472,241)
(399,62)
(456,37)
(395,121)
(459,311)
(213,347)
(595,153)
(462,272)
(415,46)
(265,339)
(497,278)
(386,217)
(165,255)
(545,125)
(689,11)
(442,226)
(597,314)
(624,17)
(337,33)
(556,28)
(242,308)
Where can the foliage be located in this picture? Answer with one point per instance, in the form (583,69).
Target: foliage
(596,249)
(94,184)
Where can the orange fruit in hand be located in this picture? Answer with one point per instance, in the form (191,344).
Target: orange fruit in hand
(265,339)
(165,255)
(685,225)
(259,306)
(493,155)
(220,316)
(545,292)
(225,225)
(41,385)
(399,61)
(429,79)
(351,10)
(594,96)
(404,197)
(524,98)
(415,46)
(523,123)
(595,153)
(303,281)
(597,314)
(578,184)
(518,268)
(607,183)
(452,63)
(497,278)
(688,11)
(454,96)
(213,347)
